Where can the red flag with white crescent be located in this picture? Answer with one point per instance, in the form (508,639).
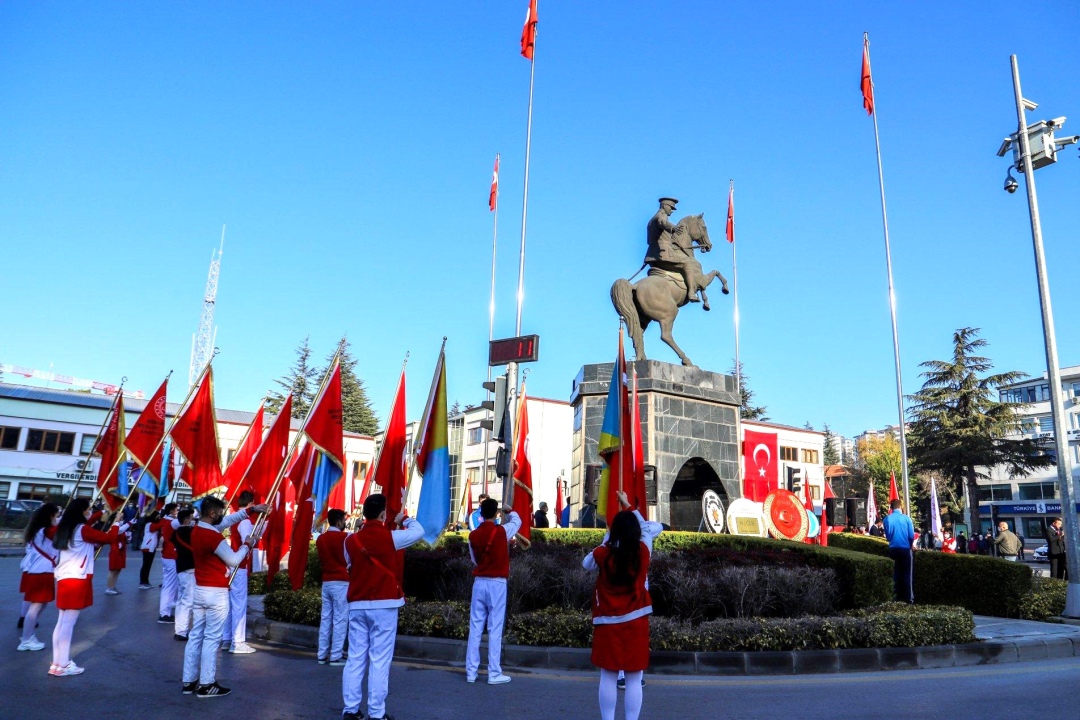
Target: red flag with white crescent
(493,194)
(528,32)
(762,467)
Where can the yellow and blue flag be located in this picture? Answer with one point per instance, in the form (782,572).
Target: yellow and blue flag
(433,460)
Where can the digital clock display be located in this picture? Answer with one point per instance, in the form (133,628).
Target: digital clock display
(519,349)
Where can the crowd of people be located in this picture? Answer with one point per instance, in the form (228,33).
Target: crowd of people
(203,592)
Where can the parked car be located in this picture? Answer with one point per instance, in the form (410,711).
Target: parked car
(1040,554)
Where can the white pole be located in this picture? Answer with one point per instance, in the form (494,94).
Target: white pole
(735,291)
(491,323)
(892,302)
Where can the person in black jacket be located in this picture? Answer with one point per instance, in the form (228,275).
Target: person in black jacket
(1055,549)
(540,518)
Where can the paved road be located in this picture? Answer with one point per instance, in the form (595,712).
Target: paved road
(133,670)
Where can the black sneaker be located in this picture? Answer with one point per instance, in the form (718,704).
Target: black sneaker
(621,683)
(180,638)
(211,691)
(384,717)
(323,661)
(339,662)
(352,716)
(191,687)
(164,620)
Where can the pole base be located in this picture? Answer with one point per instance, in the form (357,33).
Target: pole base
(1072,600)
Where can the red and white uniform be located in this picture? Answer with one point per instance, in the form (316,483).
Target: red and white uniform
(334,619)
(948,545)
(235,632)
(374,596)
(170,584)
(37,583)
(621,612)
(75,568)
(489,548)
(118,551)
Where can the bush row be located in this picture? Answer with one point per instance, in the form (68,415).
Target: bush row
(1045,601)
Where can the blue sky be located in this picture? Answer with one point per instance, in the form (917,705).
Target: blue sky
(348,147)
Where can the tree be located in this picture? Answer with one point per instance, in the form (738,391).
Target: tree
(830,456)
(959,429)
(747,409)
(356,411)
(301,381)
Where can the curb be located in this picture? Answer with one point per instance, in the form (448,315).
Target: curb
(666,662)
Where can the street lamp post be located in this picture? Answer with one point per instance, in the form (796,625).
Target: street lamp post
(1045,155)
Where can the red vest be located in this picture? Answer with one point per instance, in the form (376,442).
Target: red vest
(210,570)
(376,570)
(331,547)
(491,550)
(168,550)
(620,603)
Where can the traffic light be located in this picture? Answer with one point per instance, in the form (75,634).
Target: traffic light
(497,405)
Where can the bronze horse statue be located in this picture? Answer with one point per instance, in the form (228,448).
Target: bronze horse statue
(658,296)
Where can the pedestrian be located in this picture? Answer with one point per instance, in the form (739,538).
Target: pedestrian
(948,543)
(877,529)
(236,625)
(185,574)
(621,607)
(117,561)
(900,532)
(149,548)
(489,549)
(375,594)
(210,607)
(74,572)
(37,583)
(334,620)
(961,543)
(166,526)
(1006,543)
(1021,539)
(1055,549)
(474,518)
(540,518)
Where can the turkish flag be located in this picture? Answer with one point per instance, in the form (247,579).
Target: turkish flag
(270,456)
(635,493)
(523,479)
(278,523)
(528,33)
(762,466)
(238,467)
(109,448)
(195,435)
(558,502)
(731,213)
(893,493)
(148,432)
(302,477)
(493,194)
(389,473)
(866,83)
(324,426)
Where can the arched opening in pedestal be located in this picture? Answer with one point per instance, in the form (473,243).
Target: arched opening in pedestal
(694,478)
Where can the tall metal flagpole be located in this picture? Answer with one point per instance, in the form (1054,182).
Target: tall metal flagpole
(892,297)
(735,286)
(491,312)
(1053,372)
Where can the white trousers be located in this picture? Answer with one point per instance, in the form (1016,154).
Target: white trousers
(185,597)
(209,612)
(169,586)
(236,625)
(488,609)
(334,622)
(371,649)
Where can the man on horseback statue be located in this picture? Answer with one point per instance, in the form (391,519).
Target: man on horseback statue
(664,254)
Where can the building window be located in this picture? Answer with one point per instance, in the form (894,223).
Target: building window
(9,438)
(229,455)
(815,492)
(1076,389)
(476,435)
(1037,491)
(86,445)
(85,491)
(810,456)
(1046,424)
(50,441)
(995,492)
(355,469)
(34,491)
(789,453)
(5,490)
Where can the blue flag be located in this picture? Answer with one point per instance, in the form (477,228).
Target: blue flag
(327,474)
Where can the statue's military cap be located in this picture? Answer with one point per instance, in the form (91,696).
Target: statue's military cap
(673,201)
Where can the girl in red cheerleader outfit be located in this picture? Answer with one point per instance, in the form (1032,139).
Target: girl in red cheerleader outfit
(74,578)
(117,561)
(621,607)
(37,584)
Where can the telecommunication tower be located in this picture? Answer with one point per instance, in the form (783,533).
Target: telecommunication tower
(202,342)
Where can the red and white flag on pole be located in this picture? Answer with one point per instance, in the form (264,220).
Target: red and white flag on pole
(894,494)
(866,82)
(871,507)
(528,33)
(731,213)
(493,194)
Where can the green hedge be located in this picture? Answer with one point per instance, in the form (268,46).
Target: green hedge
(1045,601)
(860,543)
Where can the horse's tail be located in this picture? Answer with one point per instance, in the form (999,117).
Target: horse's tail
(622,297)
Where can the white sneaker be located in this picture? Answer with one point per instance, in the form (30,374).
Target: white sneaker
(498,679)
(112,591)
(33,644)
(470,678)
(63,670)
(241,649)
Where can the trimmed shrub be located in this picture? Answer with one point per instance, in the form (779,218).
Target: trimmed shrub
(551,627)
(1045,601)
(860,543)
(300,607)
(983,585)
(435,619)
(257,583)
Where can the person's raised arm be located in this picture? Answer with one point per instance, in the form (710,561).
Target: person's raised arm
(234,518)
(411,533)
(231,557)
(511,523)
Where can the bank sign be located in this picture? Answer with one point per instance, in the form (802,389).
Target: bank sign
(1038,507)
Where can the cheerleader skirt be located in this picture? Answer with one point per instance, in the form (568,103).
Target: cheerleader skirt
(38,587)
(622,646)
(75,593)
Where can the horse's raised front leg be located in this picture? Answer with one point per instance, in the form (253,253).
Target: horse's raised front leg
(665,335)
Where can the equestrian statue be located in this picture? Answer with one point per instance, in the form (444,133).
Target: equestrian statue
(675,278)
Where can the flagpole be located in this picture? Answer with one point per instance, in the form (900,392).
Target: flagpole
(260,523)
(491,317)
(97,443)
(619,373)
(892,297)
(735,289)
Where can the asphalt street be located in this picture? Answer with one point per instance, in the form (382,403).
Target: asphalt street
(133,671)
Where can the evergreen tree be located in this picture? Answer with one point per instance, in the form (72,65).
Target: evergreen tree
(829,455)
(357,414)
(959,429)
(747,410)
(302,381)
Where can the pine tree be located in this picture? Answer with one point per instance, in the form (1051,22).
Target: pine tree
(830,456)
(747,410)
(959,429)
(301,380)
(357,414)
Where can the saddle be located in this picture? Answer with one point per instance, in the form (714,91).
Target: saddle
(671,275)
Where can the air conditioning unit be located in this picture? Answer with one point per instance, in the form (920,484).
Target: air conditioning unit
(1076,400)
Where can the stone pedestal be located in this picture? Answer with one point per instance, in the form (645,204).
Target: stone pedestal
(689,419)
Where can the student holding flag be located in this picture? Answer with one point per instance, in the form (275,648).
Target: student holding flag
(374,596)
(236,626)
(489,548)
(166,526)
(185,574)
(37,584)
(334,620)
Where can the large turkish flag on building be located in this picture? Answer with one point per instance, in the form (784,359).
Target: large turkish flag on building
(761,464)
